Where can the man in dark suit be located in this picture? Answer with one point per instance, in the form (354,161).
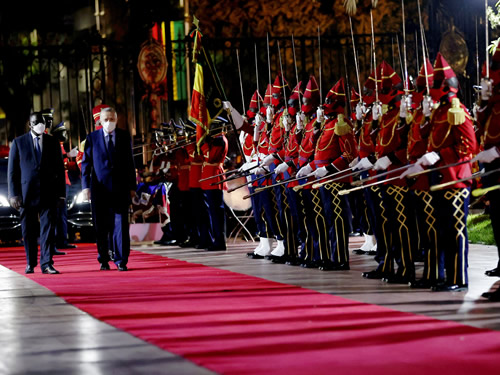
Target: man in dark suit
(108,180)
(36,188)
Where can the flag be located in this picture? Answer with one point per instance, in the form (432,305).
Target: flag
(206,101)
(199,113)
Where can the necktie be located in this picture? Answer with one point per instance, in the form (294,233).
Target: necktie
(38,152)
(111,147)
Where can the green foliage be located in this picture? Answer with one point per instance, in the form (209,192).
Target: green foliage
(494,20)
(480,230)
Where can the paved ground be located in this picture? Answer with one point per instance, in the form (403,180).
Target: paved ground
(41,333)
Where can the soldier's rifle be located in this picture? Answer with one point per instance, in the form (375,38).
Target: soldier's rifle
(472,177)
(241,82)
(376,177)
(250,182)
(317,185)
(422,36)
(347,191)
(356,62)
(235,177)
(220,174)
(416,174)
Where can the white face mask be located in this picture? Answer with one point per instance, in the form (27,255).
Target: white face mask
(38,128)
(109,126)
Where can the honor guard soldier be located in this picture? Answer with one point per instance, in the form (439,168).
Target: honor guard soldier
(488,117)
(317,249)
(451,140)
(398,231)
(287,169)
(60,132)
(335,150)
(214,152)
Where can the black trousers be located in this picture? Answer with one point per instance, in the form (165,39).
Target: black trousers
(31,228)
(112,231)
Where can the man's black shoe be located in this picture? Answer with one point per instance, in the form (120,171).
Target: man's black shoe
(216,248)
(122,268)
(375,274)
(29,269)
(399,279)
(422,284)
(495,272)
(340,267)
(294,262)
(105,267)
(309,265)
(279,260)
(371,252)
(187,243)
(50,270)
(254,256)
(359,252)
(57,252)
(66,246)
(200,246)
(495,296)
(442,287)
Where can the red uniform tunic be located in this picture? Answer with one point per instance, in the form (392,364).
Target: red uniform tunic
(417,146)
(195,163)
(389,143)
(214,154)
(454,143)
(307,147)
(336,145)
(182,163)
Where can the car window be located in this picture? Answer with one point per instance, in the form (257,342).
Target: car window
(3,171)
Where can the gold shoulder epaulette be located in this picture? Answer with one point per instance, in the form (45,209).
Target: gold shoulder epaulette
(341,127)
(456,114)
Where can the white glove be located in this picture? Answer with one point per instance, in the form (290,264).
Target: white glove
(486,88)
(298,120)
(73,152)
(269,114)
(320,115)
(304,171)
(427,105)
(353,163)
(360,111)
(363,164)
(320,172)
(487,156)
(382,164)
(268,160)
(403,109)
(286,123)
(428,159)
(258,119)
(415,168)
(247,166)
(282,168)
(376,111)
(227,105)
(260,171)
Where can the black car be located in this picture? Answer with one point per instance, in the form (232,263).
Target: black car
(10,221)
(80,227)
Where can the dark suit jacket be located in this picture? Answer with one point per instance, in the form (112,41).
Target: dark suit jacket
(109,178)
(36,183)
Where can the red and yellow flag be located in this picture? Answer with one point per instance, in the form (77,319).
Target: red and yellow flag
(199,113)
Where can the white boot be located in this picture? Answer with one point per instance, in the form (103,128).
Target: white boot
(370,241)
(279,250)
(266,247)
(257,249)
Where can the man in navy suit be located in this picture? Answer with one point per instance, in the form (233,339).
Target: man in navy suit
(108,181)
(37,188)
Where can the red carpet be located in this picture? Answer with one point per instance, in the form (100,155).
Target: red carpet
(237,324)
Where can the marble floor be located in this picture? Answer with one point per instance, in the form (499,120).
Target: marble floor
(41,334)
